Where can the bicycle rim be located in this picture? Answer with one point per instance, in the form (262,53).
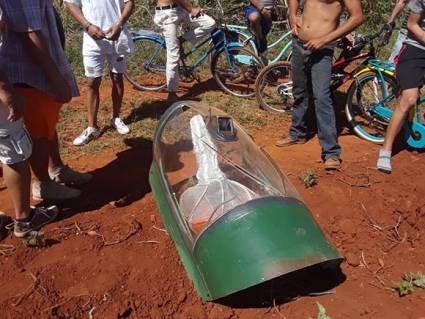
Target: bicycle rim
(366,94)
(235,70)
(273,88)
(146,65)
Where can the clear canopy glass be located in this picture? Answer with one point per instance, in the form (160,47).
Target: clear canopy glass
(211,165)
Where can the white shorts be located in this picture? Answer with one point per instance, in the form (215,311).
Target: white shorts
(15,143)
(94,64)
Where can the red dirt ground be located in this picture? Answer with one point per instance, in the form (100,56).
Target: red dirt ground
(375,220)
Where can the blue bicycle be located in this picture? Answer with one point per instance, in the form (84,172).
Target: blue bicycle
(233,66)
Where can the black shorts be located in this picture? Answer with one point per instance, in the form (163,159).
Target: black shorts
(410,69)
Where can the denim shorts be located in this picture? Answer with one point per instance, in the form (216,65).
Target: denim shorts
(265,26)
(15,143)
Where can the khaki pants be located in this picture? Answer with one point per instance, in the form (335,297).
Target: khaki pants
(169,21)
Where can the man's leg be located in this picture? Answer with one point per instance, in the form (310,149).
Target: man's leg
(61,173)
(325,113)
(17,178)
(93,100)
(256,26)
(173,57)
(298,129)
(117,93)
(200,26)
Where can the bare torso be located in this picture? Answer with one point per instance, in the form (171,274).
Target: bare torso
(319,18)
(162,3)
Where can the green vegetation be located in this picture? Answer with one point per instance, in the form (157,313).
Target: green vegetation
(409,282)
(309,179)
(376,13)
(35,239)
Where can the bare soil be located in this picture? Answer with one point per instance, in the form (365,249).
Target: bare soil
(108,256)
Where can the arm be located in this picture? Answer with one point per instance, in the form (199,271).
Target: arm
(398,8)
(13,101)
(36,47)
(356,18)
(115,30)
(293,18)
(93,30)
(413,25)
(194,11)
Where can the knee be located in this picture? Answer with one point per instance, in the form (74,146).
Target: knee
(93,83)
(407,103)
(116,77)
(254,18)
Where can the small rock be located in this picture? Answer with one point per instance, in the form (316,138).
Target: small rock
(352,259)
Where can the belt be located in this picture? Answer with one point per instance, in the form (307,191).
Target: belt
(171,6)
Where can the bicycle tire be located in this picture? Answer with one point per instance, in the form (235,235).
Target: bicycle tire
(364,93)
(147,77)
(271,91)
(235,70)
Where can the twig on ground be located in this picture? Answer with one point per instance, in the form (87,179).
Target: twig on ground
(277,309)
(374,273)
(329,292)
(35,284)
(148,242)
(160,229)
(91,312)
(135,227)
(6,250)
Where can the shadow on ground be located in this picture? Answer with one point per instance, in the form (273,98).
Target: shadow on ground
(120,182)
(311,281)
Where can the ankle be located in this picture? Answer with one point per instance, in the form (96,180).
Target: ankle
(25,217)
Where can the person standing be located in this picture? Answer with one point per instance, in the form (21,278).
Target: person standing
(39,71)
(15,150)
(315,32)
(169,16)
(260,14)
(106,38)
(410,71)
(389,26)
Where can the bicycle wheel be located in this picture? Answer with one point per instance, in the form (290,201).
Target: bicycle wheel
(273,88)
(235,70)
(146,65)
(367,93)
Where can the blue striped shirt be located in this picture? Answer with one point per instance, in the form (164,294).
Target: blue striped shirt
(24,16)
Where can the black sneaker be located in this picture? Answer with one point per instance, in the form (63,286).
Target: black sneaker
(4,222)
(40,217)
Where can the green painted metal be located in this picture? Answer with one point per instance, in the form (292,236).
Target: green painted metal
(260,240)
(172,225)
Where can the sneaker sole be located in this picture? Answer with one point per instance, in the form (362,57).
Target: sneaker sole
(383,170)
(290,144)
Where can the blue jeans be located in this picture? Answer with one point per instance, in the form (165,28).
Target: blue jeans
(311,75)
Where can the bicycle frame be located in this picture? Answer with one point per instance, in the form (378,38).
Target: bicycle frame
(249,39)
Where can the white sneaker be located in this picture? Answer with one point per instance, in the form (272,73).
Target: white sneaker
(88,134)
(120,126)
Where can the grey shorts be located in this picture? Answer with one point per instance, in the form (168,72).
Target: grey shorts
(15,143)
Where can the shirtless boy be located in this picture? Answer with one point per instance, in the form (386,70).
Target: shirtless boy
(169,15)
(315,32)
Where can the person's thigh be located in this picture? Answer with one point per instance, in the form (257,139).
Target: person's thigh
(251,11)
(116,63)
(410,68)
(93,65)
(41,113)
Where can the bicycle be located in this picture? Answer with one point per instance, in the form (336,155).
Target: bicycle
(274,85)
(369,106)
(233,66)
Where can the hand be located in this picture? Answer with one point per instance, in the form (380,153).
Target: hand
(195,12)
(15,103)
(95,32)
(315,44)
(295,23)
(114,32)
